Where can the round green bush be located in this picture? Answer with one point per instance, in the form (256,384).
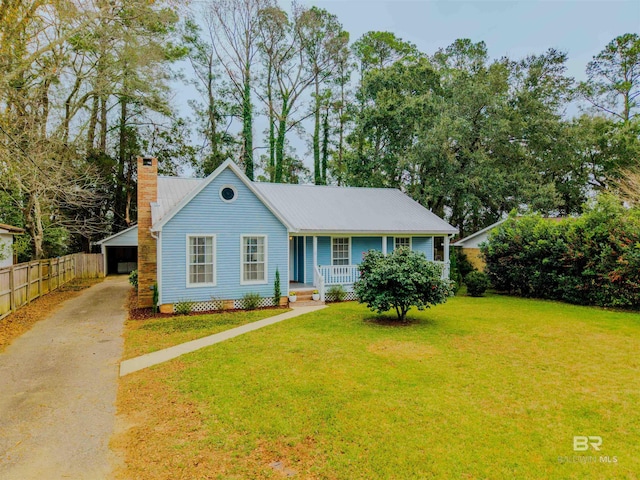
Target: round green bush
(477,283)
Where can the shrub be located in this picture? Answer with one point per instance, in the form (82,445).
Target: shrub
(251,301)
(591,260)
(156,296)
(183,307)
(277,292)
(133,278)
(477,283)
(335,293)
(400,280)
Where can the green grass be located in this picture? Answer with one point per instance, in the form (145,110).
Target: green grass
(145,336)
(492,387)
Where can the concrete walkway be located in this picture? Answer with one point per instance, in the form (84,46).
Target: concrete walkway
(59,385)
(154,358)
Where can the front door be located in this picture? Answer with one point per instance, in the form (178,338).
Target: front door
(292,259)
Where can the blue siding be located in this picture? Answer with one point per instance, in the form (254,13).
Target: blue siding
(360,245)
(324,250)
(309,266)
(423,244)
(208,214)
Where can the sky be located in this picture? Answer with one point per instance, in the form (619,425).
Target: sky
(514,28)
(581,28)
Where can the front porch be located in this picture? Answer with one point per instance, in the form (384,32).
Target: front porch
(320,262)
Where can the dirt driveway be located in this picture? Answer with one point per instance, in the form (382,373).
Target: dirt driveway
(58,390)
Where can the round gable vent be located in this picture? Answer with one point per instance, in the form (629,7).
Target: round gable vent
(228,193)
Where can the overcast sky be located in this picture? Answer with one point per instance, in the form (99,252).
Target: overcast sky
(516,29)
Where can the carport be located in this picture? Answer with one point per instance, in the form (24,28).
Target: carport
(120,251)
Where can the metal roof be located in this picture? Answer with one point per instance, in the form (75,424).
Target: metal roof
(312,208)
(171,190)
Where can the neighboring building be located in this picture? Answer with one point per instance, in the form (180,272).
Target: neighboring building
(120,251)
(7,232)
(470,245)
(212,241)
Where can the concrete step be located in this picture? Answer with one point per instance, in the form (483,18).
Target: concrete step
(305,303)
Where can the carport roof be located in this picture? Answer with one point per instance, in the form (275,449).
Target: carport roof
(116,236)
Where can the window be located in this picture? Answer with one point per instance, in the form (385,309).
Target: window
(254,259)
(340,251)
(201,260)
(228,193)
(401,242)
(438,249)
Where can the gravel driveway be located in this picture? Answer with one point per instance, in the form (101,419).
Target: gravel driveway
(58,389)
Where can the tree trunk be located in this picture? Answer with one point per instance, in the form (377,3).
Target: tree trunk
(317,172)
(247,129)
(282,131)
(93,120)
(325,145)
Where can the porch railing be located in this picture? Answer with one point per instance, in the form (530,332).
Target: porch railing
(318,282)
(339,274)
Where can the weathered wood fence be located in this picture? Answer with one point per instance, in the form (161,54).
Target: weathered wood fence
(24,282)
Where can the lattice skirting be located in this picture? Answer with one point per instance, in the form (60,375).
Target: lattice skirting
(351,296)
(264,302)
(213,305)
(204,306)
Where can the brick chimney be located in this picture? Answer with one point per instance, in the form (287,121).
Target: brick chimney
(147,194)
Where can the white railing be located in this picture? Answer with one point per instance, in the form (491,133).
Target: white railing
(339,274)
(318,282)
(445,269)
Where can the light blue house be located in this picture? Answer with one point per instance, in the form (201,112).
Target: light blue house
(213,240)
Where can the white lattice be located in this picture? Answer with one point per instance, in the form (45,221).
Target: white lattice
(351,296)
(264,302)
(209,306)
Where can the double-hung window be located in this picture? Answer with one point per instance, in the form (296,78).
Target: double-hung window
(201,260)
(402,242)
(340,251)
(253,259)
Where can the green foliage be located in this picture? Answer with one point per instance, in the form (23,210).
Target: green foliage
(251,301)
(133,278)
(477,283)
(400,280)
(592,260)
(277,292)
(335,293)
(156,294)
(183,307)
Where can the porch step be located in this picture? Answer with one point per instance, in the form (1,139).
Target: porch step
(305,303)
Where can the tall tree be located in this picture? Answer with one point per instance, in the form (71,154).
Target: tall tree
(235,28)
(613,84)
(324,43)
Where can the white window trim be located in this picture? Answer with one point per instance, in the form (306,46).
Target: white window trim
(235,193)
(331,247)
(433,247)
(266,260)
(410,241)
(214,253)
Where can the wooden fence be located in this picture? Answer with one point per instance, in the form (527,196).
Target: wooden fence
(24,282)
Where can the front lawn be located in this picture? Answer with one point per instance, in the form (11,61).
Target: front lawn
(149,335)
(493,387)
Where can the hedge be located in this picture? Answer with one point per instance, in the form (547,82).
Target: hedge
(591,260)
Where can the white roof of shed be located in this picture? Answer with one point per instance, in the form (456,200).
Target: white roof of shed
(124,238)
(462,242)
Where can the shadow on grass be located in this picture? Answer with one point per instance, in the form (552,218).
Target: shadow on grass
(388,320)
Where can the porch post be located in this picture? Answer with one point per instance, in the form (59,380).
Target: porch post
(384,245)
(315,251)
(446,272)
